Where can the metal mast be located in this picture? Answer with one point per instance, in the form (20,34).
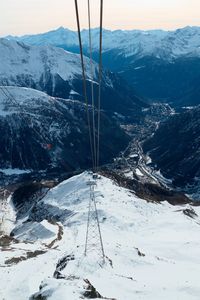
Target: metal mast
(94,242)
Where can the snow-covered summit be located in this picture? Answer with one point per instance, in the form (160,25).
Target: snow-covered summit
(151,249)
(36,63)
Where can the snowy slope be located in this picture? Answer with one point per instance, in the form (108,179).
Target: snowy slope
(159,43)
(154,249)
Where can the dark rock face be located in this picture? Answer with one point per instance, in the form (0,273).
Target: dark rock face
(148,191)
(42,211)
(175,147)
(119,97)
(25,196)
(52,133)
(190,213)
(175,82)
(158,79)
(90,291)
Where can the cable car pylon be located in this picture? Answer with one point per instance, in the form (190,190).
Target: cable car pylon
(94,242)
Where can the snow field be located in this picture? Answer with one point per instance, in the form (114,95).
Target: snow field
(154,249)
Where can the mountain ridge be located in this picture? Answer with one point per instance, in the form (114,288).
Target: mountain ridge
(116,39)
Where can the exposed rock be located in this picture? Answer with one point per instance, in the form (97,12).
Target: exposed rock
(148,191)
(190,212)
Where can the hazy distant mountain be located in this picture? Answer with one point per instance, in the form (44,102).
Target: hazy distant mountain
(161,65)
(158,43)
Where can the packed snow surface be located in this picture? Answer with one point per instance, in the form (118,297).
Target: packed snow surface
(152,250)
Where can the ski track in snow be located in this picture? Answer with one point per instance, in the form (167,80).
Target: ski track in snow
(169,239)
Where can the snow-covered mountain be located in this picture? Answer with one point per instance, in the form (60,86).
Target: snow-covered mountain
(160,65)
(58,73)
(41,132)
(159,43)
(152,249)
(18,58)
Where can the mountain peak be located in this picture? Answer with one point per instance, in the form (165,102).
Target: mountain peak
(61,29)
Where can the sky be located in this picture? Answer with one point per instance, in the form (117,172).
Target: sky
(18,17)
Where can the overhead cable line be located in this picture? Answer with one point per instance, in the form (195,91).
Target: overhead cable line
(84,81)
(92,87)
(100,81)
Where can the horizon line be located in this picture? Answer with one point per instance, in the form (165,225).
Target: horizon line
(93,28)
